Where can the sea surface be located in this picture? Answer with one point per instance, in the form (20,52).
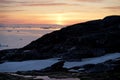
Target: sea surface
(17,35)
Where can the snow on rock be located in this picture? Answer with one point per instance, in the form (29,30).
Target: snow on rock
(93,60)
(26,65)
(40,64)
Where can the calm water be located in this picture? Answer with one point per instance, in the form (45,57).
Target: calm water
(15,37)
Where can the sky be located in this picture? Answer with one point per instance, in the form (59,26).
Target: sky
(62,12)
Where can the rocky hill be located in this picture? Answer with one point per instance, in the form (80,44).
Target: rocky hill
(82,40)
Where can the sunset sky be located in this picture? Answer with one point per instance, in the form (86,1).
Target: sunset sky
(63,12)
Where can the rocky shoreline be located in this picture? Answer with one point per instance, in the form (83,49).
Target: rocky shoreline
(73,43)
(111,75)
(108,70)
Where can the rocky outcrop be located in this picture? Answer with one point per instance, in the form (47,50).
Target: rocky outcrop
(83,40)
(107,66)
(57,67)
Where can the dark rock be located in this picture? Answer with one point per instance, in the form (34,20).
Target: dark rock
(5,53)
(8,76)
(88,66)
(100,68)
(115,63)
(111,20)
(107,66)
(75,68)
(83,40)
(57,67)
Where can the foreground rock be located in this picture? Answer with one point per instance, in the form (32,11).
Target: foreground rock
(13,76)
(109,70)
(57,67)
(107,66)
(83,40)
(6,76)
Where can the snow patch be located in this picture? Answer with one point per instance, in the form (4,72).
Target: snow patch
(93,60)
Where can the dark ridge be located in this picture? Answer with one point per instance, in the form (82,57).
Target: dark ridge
(82,40)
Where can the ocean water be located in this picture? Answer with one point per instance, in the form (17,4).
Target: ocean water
(17,36)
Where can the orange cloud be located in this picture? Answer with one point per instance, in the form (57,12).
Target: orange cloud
(48,4)
(89,0)
(11,10)
(2,16)
(7,1)
(14,3)
(113,7)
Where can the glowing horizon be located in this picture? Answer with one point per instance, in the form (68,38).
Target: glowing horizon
(63,12)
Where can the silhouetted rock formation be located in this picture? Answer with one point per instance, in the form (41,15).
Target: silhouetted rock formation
(57,67)
(83,40)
